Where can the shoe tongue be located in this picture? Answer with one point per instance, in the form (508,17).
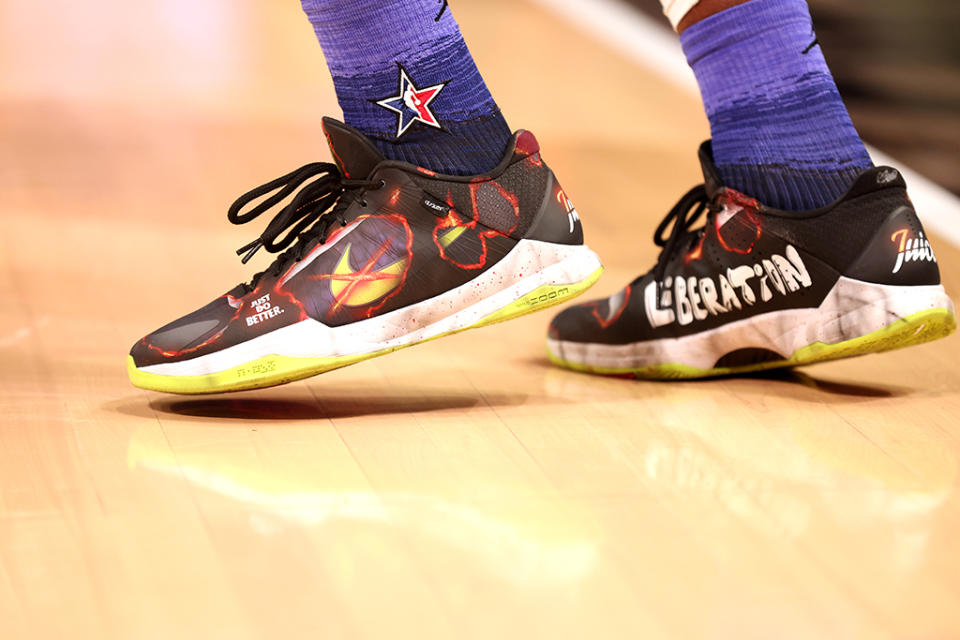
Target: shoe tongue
(353,152)
(711,179)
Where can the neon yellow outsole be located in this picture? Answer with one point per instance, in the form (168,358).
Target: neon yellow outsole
(272,370)
(914,329)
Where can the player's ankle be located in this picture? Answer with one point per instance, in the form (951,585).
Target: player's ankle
(781,131)
(412,87)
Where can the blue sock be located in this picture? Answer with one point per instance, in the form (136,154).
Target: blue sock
(781,132)
(405,78)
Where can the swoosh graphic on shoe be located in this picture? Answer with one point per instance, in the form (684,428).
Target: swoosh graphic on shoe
(451,236)
(354,288)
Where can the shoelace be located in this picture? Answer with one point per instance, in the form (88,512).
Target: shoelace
(683,216)
(307,218)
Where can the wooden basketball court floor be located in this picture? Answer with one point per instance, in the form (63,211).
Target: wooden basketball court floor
(464,488)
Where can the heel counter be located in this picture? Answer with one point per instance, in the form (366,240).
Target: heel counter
(899,253)
(557,219)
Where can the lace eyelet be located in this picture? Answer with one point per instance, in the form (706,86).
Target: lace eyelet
(364,203)
(383,183)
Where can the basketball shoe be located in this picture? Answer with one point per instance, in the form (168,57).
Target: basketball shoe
(757,288)
(376,255)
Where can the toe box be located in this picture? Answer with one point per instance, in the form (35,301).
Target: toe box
(186,337)
(606,321)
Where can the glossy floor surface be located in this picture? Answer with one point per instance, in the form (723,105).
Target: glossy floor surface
(461,489)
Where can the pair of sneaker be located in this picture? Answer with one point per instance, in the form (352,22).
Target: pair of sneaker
(376,255)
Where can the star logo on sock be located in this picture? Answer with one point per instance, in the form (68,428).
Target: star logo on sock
(412,104)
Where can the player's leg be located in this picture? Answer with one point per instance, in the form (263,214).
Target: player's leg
(780,129)
(434,219)
(808,251)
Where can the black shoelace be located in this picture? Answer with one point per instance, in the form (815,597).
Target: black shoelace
(683,216)
(305,220)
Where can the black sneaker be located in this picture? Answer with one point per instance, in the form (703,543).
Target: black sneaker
(382,255)
(756,288)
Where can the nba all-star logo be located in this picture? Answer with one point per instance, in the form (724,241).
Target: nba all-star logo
(412,104)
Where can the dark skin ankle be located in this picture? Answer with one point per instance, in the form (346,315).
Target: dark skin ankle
(705,9)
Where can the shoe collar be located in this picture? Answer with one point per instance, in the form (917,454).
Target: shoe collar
(358,158)
(870,180)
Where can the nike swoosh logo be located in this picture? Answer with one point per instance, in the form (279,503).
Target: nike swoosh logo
(353,288)
(450,236)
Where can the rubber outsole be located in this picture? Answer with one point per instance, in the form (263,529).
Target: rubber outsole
(917,328)
(273,370)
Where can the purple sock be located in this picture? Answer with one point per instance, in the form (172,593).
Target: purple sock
(405,78)
(781,132)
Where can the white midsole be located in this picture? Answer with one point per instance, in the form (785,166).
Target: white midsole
(540,263)
(852,309)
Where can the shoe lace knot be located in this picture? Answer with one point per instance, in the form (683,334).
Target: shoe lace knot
(323,197)
(680,220)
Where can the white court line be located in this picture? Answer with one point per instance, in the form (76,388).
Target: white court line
(638,38)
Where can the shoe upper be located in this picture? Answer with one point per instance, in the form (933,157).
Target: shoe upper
(749,258)
(398,234)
